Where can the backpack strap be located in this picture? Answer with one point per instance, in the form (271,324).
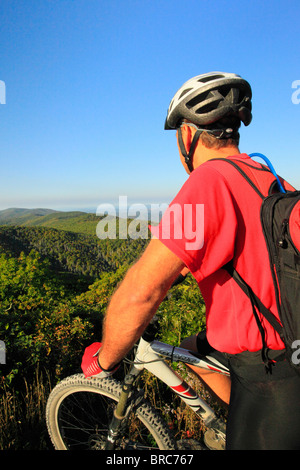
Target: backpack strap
(239,169)
(256,302)
(257,305)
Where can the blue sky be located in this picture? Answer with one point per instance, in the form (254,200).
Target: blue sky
(88,84)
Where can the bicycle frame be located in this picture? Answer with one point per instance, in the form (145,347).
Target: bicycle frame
(150,356)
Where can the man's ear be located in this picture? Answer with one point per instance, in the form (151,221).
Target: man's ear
(187,133)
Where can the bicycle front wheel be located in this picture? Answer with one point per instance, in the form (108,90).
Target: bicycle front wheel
(79,412)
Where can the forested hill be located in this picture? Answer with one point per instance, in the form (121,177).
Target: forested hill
(56,280)
(67,239)
(73,221)
(17,216)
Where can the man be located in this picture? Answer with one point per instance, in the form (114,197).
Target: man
(264,409)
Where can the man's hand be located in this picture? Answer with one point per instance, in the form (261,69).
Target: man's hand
(90,363)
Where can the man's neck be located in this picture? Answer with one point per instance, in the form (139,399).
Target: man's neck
(204,154)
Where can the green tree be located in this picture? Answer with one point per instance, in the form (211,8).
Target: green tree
(36,321)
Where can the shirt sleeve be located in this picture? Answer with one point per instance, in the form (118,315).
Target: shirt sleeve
(200,224)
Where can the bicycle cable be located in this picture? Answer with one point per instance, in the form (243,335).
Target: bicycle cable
(128,361)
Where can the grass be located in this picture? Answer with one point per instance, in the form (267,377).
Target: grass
(22,409)
(22,416)
(22,413)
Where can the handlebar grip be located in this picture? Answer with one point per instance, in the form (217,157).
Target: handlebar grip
(151,330)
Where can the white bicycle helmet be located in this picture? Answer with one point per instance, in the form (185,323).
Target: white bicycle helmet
(210,97)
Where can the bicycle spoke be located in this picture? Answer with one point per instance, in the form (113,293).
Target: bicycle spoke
(79,414)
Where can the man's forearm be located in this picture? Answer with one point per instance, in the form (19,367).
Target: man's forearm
(121,331)
(127,316)
(136,301)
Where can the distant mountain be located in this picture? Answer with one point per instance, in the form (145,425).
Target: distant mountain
(15,216)
(72,221)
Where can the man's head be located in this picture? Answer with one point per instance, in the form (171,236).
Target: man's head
(214,104)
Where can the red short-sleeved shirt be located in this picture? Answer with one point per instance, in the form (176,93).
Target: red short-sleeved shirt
(214,218)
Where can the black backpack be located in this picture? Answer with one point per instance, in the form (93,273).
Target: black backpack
(280,220)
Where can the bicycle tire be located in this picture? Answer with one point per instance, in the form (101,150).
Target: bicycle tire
(78,412)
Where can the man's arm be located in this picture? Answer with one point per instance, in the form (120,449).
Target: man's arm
(136,300)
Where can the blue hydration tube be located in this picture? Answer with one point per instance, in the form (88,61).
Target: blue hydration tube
(281,188)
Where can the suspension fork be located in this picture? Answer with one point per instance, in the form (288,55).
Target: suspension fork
(121,408)
(129,380)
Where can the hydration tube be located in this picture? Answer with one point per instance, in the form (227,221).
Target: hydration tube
(281,188)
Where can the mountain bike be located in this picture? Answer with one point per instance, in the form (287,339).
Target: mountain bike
(106,414)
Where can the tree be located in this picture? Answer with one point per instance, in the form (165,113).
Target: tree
(36,321)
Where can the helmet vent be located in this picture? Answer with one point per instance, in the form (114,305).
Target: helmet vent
(210,78)
(184,92)
(208,101)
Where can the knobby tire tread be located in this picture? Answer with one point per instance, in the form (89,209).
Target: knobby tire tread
(110,388)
